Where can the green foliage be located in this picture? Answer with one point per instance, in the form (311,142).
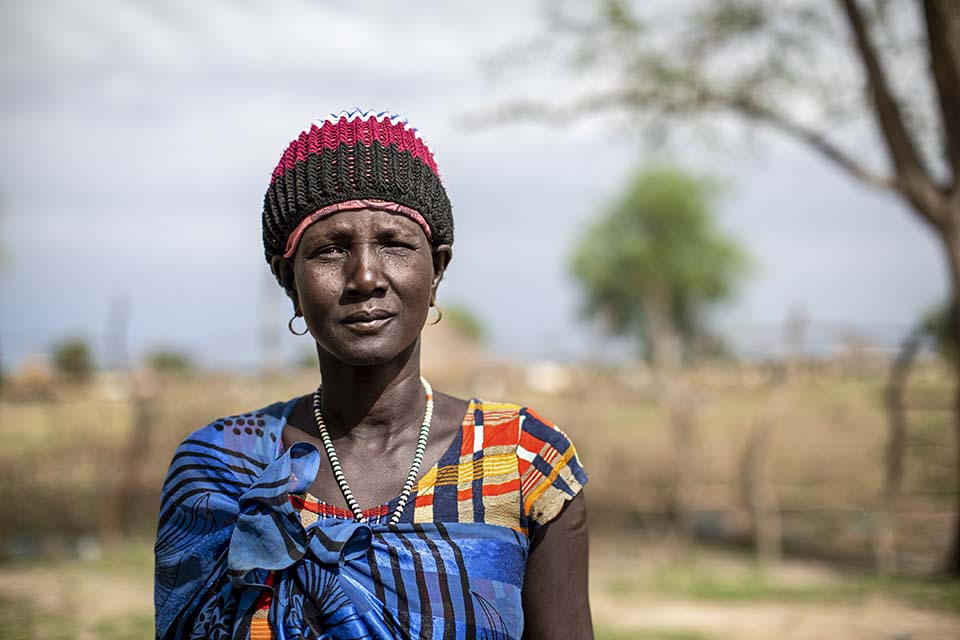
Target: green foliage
(170,362)
(71,359)
(465,322)
(657,240)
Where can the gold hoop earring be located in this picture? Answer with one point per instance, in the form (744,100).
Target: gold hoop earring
(290,326)
(439,314)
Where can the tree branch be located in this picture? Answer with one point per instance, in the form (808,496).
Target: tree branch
(913,178)
(694,97)
(943,35)
(533,110)
(819,143)
(698,100)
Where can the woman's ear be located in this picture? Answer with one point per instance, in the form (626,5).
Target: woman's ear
(442,255)
(283,269)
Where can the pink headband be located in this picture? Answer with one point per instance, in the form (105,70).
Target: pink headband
(351,205)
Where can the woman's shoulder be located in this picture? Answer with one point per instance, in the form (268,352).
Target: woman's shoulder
(549,470)
(529,427)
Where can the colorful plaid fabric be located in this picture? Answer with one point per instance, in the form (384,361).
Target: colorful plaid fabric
(507,466)
(243,552)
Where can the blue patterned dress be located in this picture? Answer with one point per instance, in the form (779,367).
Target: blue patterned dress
(243,551)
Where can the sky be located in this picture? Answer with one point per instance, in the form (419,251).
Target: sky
(138,139)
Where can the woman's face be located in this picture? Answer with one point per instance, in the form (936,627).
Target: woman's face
(364,281)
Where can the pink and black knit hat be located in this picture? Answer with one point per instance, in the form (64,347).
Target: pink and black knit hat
(354,160)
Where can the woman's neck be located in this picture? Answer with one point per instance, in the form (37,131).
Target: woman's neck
(375,402)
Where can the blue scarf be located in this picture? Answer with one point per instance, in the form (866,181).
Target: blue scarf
(228,532)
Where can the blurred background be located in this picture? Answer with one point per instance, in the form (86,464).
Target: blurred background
(714,241)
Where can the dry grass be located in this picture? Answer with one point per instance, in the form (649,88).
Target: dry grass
(62,457)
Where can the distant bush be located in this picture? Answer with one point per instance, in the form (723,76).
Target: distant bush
(940,323)
(465,322)
(170,361)
(307,359)
(72,359)
(711,346)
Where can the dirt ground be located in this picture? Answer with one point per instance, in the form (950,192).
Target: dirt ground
(644,593)
(667,593)
(663,618)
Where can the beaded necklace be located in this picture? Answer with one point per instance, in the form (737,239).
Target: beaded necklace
(414,468)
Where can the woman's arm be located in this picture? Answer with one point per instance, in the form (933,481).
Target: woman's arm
(556,605)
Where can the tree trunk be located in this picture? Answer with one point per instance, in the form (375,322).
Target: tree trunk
(136,455)
(662,338)
(682,429)
(884,541)
(759,492)
(119,505)
(676,401)
(953,559)
(952,567)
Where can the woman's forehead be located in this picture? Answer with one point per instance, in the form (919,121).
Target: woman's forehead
(363,221)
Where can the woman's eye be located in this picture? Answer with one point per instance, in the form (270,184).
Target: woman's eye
(329,251)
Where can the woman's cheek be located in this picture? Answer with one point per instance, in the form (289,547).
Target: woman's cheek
(321,280)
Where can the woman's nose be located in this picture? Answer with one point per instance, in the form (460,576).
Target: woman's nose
(365,275)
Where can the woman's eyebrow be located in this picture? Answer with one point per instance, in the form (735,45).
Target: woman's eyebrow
(336,234)
(346,233)
(396,231)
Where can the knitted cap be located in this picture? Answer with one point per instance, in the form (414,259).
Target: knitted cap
(355,156)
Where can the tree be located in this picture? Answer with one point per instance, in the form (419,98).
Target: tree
(936,326)
(649,268)
(465,322)
(72,359)
(170,361)
(654,262)
(802,68)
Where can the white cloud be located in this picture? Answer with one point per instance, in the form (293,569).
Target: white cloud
(136,140)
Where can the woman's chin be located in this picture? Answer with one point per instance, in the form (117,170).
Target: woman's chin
(368,353)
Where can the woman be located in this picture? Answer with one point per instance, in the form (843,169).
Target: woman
(263,536)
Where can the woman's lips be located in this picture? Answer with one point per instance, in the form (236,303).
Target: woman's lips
(367,321)
(368,325)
